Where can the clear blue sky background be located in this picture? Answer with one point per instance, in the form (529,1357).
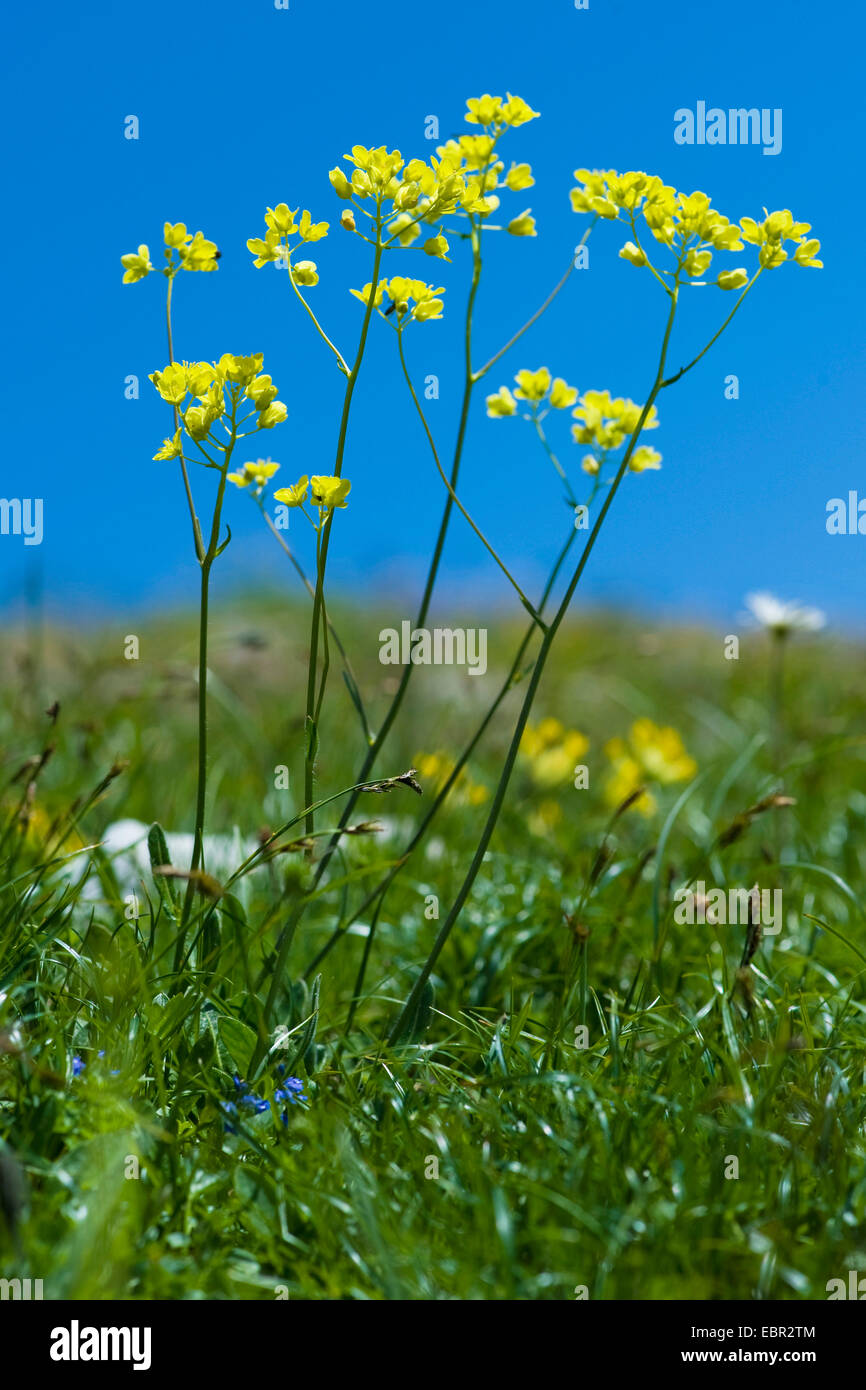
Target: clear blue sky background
(241,105)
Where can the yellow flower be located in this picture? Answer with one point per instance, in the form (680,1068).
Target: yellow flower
(697,262)
(652,753)
(552,751)
(200,377)
(644,457)
(590,464)
(310,230)
(486,110)
(633,253)
(605,423)
(171,383)
(271,249)
(258,473)
(364,294)
(437,246)
(274,414)
(330,492)
(176,235)
(305,273)
(806,252)
(239,370)
(200,254)
(171,448)
(524,225)
(519,176)
(197,421)
(261,391)
(562,395)
(532,386)
(544,817)
(733,279)
(293,496)
(136,265)
(516,112)
(281,219)
(500,404)
(402,291)
(341,184)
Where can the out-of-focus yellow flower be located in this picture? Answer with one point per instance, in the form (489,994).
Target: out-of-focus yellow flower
(437,246)
(562,395)
(294,495)
(136,265)
(532,386)
(544,817)
(436,768)
(500,404)
(329,492)
(644,457)
(733,279)
(257,473)
(590,464)
(524,225)
(650,754)
(606,422)
(551,751)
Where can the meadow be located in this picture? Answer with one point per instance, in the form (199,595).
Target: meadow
(561,1118)
(494,957)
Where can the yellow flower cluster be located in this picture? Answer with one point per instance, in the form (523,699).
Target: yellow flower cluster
(436,768)
(258,473)
(550,751)
(474,156)
(687,224)
(605,423)
(777,228)
(282,223)
(411,299)
(326,492)
(536,388)
(650,754)
(206,384)
(194,252)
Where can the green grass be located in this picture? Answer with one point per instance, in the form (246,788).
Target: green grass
(558,1166)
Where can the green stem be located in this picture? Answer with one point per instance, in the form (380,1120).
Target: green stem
(537,672)
(309,721)
(453,495)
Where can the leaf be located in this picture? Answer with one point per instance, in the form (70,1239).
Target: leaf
(239,1042)
(159,855)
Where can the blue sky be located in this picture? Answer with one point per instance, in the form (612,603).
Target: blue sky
(243,105)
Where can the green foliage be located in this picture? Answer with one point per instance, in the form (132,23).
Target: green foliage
(558,1164)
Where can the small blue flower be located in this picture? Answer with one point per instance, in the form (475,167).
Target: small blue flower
(77,1066)
(291,1090)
